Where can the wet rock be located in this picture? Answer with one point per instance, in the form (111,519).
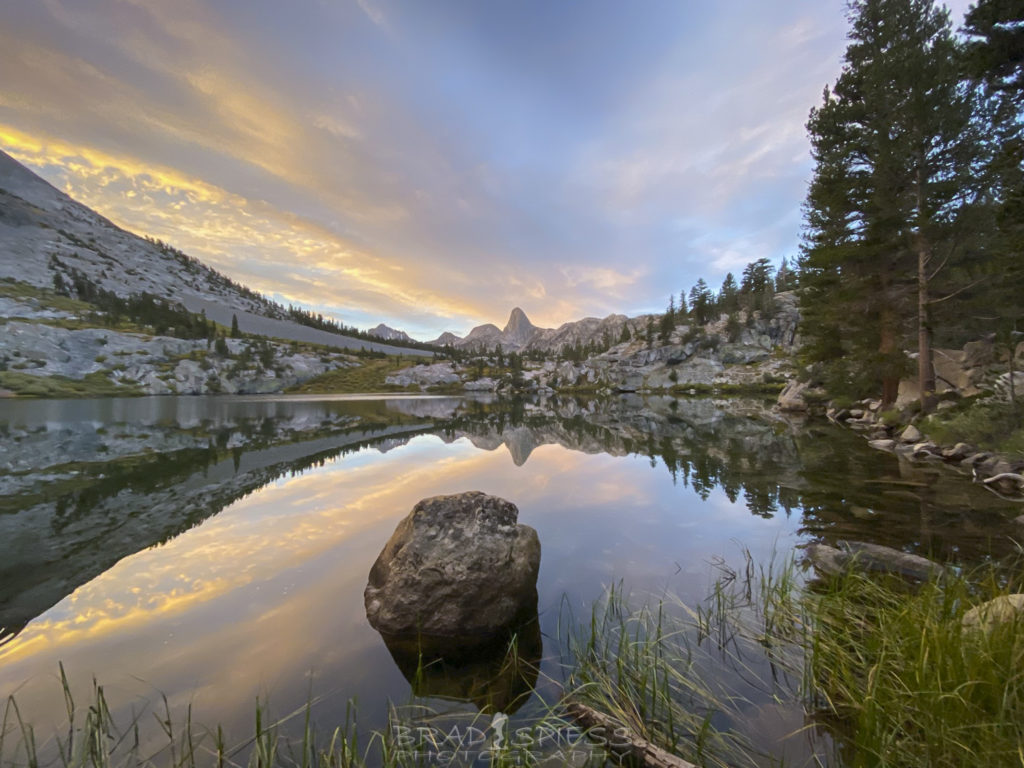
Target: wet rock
(1003,609)
(883,445)
(863,513)
(457,567)
(871,557)
(974,459)
(958,452)
(496,676)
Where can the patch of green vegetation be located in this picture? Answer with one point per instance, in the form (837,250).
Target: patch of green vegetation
(15,289)
(92,385)
(905,682)
(886,670)
(993,426)
(368,376)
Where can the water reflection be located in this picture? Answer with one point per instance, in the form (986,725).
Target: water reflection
(269,513)
(498,676)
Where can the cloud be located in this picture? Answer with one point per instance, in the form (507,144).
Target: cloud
(432,165)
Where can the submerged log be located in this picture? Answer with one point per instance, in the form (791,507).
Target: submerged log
(871,557)
(625,743)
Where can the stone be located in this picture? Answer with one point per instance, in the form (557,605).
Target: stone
(882,445)
(1003,609)
(484,384)
(793,397)
(958,452)
(974,459)
(870,557)
(458,568)
(911,435)
(978,354)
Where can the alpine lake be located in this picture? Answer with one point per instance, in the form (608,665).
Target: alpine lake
(197,555)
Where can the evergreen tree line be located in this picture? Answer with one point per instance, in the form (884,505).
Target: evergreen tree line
(914,217)
(759,282)
(164,317)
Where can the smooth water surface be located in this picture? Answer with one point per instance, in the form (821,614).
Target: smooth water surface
(215,550)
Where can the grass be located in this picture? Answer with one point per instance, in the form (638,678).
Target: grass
(368,376)
(990,425)
(15,289)
(883,670)
(95,384)
(903,683)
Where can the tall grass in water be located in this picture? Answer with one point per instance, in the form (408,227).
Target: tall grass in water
(686,679)
(885,671)
(904,682)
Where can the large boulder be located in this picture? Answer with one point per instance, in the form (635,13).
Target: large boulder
(456,568)
(1004,609)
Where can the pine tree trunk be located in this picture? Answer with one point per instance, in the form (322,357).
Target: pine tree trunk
(888,344)
(925,366)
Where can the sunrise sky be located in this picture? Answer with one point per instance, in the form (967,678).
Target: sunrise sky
(432,163)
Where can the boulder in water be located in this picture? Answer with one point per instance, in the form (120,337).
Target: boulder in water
(458,568)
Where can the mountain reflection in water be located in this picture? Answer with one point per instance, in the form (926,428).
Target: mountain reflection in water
(269,512)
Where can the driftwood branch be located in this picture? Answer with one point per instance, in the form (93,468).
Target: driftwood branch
(625,743)
(1019,479)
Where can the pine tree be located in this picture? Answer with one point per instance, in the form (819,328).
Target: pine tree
(893,142)
(700,302)
(994,60)
(784,280)
(728,295)
(235,333)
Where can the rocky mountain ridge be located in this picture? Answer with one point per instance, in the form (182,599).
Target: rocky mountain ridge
(387,333)
(754,355)
(521,335)
(44,233)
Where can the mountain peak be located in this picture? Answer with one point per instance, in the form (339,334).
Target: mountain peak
(519,329)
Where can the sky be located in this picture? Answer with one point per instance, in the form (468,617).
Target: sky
(431,164)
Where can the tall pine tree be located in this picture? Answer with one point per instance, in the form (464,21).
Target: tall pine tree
(894,143)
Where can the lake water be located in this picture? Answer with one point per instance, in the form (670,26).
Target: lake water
(215,550)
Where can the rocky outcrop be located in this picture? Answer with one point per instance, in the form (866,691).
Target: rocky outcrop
(425,376)
(458,568)
(691,357)
(158,365)
(519,330)
(979,367)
